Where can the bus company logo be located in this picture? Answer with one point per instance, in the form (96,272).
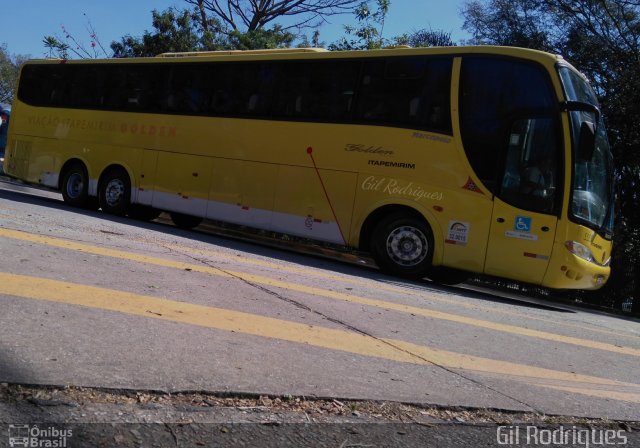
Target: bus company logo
(36,437)
(409,166)
(378,150)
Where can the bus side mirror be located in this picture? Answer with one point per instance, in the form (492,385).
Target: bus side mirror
(587,143)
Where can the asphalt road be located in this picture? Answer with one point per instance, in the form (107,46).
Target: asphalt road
(97,301)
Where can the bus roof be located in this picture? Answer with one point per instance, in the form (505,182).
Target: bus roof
(321,53)
(187,54)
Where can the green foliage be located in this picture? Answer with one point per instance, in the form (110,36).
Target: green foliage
(426,38)
(368,35)
(260,38)
(9,71)
(173,31)
(519,23)
(183,31)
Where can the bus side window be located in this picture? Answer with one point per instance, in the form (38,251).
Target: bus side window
(316,91)
(411,92)
(86,87)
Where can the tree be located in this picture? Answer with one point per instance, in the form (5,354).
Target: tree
(426,38)
(173,31)
(9,70)
(369,34)
(259,39)
(251,15)
(182,31)
(519,23)
(70,45)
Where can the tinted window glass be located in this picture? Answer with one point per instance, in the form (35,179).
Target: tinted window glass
(531,173)
(44,85)
(410,92)
(242,89)
(317,90)
(494,93)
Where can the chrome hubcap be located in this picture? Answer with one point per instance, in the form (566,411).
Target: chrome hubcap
(407,246)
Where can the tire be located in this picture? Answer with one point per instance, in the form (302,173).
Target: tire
(114,193)
(75,185)
(185,221)
(402,245)
(143,213)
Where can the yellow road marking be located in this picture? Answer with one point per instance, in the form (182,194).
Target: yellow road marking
(433,314)
(599,393)
(341,340)
(378,285)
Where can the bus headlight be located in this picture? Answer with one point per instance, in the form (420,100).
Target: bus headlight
(580,250)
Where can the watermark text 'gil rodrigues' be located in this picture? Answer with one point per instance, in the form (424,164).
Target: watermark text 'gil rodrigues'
(574,436)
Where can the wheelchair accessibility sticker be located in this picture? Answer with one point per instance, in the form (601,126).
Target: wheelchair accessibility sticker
(523,224)
(522,229)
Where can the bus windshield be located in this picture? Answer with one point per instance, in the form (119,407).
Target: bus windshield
(592,193)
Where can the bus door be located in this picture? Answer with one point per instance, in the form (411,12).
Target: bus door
(520,243)
(524,218)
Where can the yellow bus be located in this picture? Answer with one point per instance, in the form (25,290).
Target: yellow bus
(435,160)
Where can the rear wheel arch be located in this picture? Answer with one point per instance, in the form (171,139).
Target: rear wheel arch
(383,214)
(370,222)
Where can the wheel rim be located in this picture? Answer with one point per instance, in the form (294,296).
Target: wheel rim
(407,246)
(75,185)
(114,192)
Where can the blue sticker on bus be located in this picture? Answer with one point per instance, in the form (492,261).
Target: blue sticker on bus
(523,224)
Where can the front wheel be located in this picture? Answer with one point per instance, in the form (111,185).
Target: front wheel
(115,192)
(403,245)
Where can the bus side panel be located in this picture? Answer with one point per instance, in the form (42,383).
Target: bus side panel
(146,182)
(242,192)
(465,223)
(182,183)
(304,208)
(33,159)
(459,219)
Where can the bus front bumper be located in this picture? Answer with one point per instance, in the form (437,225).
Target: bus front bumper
(568,271)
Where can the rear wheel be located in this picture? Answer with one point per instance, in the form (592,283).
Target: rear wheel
(403,245)
(75,185)
(115,192)
(185,221)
